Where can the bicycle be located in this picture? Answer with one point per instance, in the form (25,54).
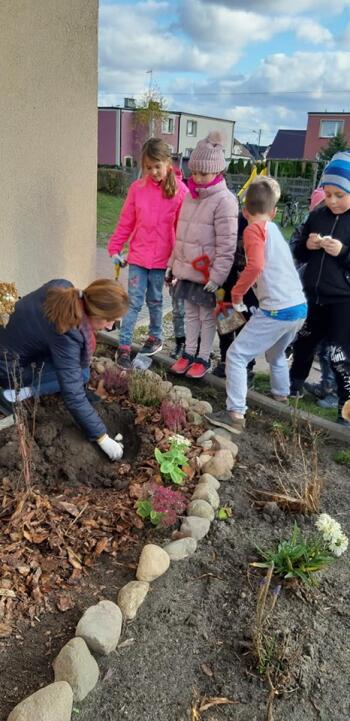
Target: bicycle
(292,213)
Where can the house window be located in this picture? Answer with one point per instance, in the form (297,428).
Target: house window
(128,161)
(191,128)
(168,126)
(331,128)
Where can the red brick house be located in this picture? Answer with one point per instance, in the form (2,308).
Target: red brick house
(321,127)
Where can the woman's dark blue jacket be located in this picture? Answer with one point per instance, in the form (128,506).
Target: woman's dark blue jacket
(31,338)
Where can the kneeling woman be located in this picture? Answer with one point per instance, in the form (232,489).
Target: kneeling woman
(49,342)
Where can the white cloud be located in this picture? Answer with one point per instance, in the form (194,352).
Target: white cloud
(284,6)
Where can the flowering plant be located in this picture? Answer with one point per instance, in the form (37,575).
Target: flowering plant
(299,558)
(163,505)
(172,461)
(173,415)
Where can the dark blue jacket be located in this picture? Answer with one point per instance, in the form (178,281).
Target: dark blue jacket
(31,338)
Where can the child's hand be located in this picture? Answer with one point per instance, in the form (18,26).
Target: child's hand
(210,286)
(314,241)
(332,246)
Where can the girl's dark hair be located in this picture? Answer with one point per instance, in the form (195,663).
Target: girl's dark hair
(104,298)
(158,150)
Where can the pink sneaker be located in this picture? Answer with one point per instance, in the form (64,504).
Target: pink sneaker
(198,369)
(182,364)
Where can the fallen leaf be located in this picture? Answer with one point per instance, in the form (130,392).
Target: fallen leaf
(207,670)
(141,414)
(101,546)
(136,490)
(215,701)
(126,643)
(73,558)
(158,435)
(100,390)
(5,630)
(67,507)
(65,603)
(7,593)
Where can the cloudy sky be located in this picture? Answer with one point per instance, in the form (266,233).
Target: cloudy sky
(263,63)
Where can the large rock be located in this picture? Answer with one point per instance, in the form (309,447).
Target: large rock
(203,459)
(77,666)
(131,597)
(220,465)
(182,548)
(154,561)
(209,480)
(202,407)
(194,418)
(206,436)
(51,703)
(195,527)
(101,626)
(223,433)
(204,492)
(181,392)
(225,443)
(202,509)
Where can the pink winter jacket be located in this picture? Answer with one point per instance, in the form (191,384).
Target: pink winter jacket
(206,226)
(148,221)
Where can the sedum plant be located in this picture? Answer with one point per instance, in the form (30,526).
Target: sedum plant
(162,507)
(172,461)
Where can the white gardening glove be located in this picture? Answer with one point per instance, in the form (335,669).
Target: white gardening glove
(240,307)
(210,286)
(113,448)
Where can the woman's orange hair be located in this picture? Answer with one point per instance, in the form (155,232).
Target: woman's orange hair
(104,298)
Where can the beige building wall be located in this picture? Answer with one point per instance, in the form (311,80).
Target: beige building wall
(48,140)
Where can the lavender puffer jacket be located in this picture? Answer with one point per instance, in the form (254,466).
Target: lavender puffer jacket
(206,226)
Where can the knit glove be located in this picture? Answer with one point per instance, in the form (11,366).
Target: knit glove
(240,307)
(112,447)
(119,259)
(210,286)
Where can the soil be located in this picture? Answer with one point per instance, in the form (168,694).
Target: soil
(191,638)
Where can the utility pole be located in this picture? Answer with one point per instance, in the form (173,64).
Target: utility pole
(258,133)
(150,98)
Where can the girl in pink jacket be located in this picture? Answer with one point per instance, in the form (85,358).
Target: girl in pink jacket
(206,240)
(148,221)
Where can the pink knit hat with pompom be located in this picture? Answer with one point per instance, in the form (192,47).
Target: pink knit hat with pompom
(208,155)
(317,196)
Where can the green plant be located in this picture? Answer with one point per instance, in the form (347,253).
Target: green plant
(342,457)
(144,388)
(163,505)
(145,510)
(172,461)
(223,513)
(299,557)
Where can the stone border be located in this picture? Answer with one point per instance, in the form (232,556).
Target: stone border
(99,629)
(258,400)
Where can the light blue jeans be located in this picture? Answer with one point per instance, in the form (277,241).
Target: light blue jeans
(143,284)
(260,335)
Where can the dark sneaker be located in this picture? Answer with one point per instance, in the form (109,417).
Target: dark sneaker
(289,352)
(123,359)
(220,370)
(198,369)
(179,348)
(315,389)
(224,420)
(296,392)
(330,401)
(153,345)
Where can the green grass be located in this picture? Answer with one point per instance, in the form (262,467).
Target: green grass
(307,404)
(288,230)
(342,457)
(108,209)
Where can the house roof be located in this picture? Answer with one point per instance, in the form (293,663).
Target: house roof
(288,145)
(241,151)
(257,151)
(326,112)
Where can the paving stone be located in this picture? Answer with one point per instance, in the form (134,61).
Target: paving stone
(182,548)
(209,480)
(201,508)
(154,561)
(51,703)
(77,666)
(204,492)
(220,465)
(195,526)
(101,626)
(131,597)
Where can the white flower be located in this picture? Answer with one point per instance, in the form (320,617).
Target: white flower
(329,528)
(180,440)
(339,545)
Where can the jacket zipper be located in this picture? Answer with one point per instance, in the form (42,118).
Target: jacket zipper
(322,263)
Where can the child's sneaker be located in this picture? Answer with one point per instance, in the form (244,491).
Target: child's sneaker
(182,364)
(220,370)
(122,357)
(198,369)
(151,346)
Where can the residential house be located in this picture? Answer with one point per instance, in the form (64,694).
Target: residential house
(120,139)
(321,127)
(287,145)
(257,151)
(241,152)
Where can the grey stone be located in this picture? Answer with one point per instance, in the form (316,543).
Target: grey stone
(210,481)
(206,436)
(204,492)
(223,433)
(201,407)
(195,526)
(101,626)
(220,465)
(182,548)
(194,418)
(182,392)
(201,508)
(203,459)
(226,444)
(77,666)
(51,703)
(131,597)
(153,562)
